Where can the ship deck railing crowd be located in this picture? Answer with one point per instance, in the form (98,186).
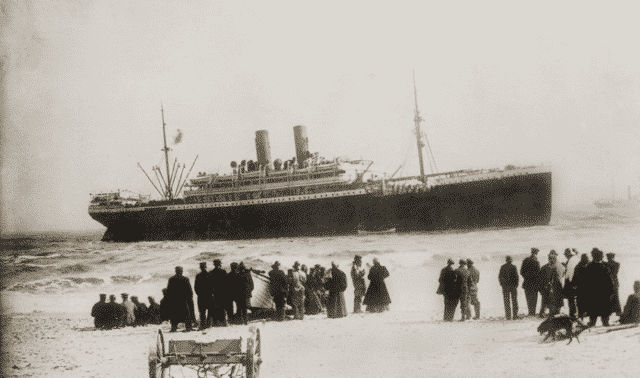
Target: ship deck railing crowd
(313,179)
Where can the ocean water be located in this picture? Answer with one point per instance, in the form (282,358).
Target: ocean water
(67,272)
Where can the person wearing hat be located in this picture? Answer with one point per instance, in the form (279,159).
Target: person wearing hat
(529,270)
(462,280)
(448,289)
(336,284)
(474,279)
(509,280)
(551,280)
(614,268)
(202,287)
(298,282)
(218,285)
(359,284)
(569,286)
(243,299)
(278,289)
(600,287)
(153,312)
(140,311)
(100,312)
(377,298)
(179,294)
(315,288)
(129,316)
(114,313)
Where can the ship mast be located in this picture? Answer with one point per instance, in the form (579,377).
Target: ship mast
(417,120)
(166,154)
(421,144)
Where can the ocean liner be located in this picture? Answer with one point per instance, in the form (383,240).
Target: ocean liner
(309,195)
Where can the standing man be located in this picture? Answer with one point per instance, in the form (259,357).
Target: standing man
(463,282)
(551,281)
(337,284)
(599,287)
(235,292)
(614,268)
(569,286)
(529,270)
(278,289)
(449,290)
(245,292)
(474,278)
(509,280)
(359,284)
(298,281)
(218,285)
(179,294)
(202,287)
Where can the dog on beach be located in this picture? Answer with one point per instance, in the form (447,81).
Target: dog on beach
(553,324)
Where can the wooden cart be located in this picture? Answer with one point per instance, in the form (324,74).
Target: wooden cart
(223,357)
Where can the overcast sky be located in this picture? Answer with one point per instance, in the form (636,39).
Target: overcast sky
(498,83)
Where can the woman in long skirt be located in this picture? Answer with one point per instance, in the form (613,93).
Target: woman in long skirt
(377,298)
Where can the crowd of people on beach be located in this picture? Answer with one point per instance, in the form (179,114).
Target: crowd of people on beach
(590,287)
(224,298)
(129,313)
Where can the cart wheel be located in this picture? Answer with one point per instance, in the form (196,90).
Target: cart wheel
(253,357)
(156,354)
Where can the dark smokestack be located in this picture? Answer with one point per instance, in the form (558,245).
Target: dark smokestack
(263,150)
(302,144)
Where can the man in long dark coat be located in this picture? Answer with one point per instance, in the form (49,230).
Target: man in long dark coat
(202,287)
(278,289)
(245,291)
(529,270)
(614,268)
(100,312)
(377,298)
(600,289)
(179,294)
(235,290)
(449,290)
(509,280)
(337,284)
(462,281)
(219,286)
(579,281)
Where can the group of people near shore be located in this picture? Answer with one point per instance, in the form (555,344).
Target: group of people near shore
(591,288)
(311,291)
(315,290)
(129,313)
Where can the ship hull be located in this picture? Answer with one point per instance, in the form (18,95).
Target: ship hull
(503,202)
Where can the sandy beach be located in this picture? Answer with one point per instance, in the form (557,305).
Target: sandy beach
(372,345)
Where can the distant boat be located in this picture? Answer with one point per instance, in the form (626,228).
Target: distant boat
(605,203)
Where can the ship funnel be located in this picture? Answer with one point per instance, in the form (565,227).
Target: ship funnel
(263,150)
(302,144)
